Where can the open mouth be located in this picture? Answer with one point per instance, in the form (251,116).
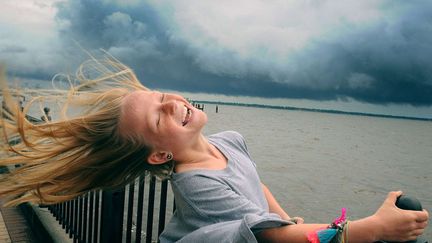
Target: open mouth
(187,114)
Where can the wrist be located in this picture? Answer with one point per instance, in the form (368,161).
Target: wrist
(282,216)
(370,224)
(377,228)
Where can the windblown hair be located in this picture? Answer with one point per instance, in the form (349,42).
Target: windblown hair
(55,161)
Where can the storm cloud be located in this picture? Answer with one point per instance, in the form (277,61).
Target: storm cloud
(371,51)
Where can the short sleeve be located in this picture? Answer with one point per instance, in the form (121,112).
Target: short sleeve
(241,230)
(215,201)
(236,140)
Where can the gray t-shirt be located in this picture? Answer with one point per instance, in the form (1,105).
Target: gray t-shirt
(226,205)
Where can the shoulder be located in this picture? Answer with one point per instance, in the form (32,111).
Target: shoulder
(198,192)
(198,180)
(212,198)
(232,138)
(228,135)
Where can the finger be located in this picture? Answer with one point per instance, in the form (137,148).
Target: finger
(300,220)
(295,219)
(422,225)
(417,232)
(422,216)
(412,237)
(392,196)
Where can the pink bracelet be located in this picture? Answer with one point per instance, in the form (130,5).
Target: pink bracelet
(332,233)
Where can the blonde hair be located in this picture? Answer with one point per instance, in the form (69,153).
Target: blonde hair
(58,160)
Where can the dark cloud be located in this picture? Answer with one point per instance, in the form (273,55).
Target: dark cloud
(396,56)
(387,61)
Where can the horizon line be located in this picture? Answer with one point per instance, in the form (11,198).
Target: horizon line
(354,113)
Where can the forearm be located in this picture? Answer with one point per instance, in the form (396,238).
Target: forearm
(359,231)
(389,223)
(274,206)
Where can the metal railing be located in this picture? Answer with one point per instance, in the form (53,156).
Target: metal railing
(117,216)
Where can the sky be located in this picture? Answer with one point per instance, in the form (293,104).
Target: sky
(369,51)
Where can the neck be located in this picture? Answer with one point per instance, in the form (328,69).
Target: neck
(203,155)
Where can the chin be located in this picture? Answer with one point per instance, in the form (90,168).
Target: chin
(205,118)
(202,119)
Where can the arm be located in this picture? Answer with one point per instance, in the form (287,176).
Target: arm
(274,206)
(388,223)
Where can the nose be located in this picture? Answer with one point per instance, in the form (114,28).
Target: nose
(169,107)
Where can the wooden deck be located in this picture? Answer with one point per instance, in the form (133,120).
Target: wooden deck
(14,227)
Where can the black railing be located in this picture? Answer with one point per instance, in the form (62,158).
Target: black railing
(117,216)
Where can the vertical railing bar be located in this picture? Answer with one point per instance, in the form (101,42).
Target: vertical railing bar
(112,213)
(140,209)
(150,209)
(120,206)
(66,212)
(79,219)
(71,211)
(76,220)
(64,215)
(162,206)
(57,210)
(85,218)
(91,215)
(70,219)
(96,217)
(53,209)
(105,220)
(63,209)
(61,213)
(130,212)
(82,219)
(50,209)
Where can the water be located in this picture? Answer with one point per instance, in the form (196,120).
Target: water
(317,163)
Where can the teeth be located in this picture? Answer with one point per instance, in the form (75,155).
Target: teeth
(186,115)
(185,112)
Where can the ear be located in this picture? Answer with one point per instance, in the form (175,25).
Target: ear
(158,157)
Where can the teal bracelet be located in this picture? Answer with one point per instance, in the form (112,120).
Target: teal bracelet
(334,233)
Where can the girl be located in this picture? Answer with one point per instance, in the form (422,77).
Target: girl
(123,130)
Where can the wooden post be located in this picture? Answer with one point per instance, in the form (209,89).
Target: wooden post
(112,216)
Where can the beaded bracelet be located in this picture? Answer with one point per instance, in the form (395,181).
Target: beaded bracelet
(336,232)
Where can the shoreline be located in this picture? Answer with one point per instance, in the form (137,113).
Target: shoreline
(311,110)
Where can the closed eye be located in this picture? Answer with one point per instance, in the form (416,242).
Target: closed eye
(159,116)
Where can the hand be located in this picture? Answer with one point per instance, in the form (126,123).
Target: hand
(297,220)
(395,224)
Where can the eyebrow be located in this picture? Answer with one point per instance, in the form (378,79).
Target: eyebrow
(162,98)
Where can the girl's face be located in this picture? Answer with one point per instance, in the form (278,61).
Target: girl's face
(165,121)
